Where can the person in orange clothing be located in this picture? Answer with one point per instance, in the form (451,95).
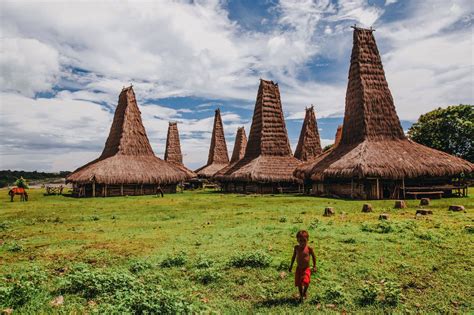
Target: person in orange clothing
(302,253)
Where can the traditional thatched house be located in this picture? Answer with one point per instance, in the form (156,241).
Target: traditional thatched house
(309,144)
(173,150)
(268,163)
(127,165)
(218,157)
(239,151)
(374,159)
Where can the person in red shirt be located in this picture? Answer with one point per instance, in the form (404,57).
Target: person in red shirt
(302,253)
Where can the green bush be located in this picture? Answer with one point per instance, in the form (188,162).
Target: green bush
(369,293)
(14,247)
(174,261)
(139,266)
(335,295)
(391,293)
(283,219)
(206,276)
(257,259)
(203,263)
(21,287)
(382,227)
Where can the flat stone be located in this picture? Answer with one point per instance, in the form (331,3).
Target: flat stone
(400,204)
(367,207)
(424,201)
(423,212)
(383,216)
(329,211)
(456,208)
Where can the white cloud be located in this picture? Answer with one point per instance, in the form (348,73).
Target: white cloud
(27,65)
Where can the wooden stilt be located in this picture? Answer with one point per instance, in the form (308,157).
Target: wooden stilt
(378,190)
(403,187)
(93,189)
(121,189)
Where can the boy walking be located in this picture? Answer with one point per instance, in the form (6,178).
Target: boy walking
(302,253)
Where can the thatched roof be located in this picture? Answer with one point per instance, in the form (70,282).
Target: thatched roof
(268,155)
(173,149)
(238,153)
(218,157)
(373,143)
(239,146)
(309,144)
(337,140)
(127,157)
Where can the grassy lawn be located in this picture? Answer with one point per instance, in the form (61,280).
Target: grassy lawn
(180,253)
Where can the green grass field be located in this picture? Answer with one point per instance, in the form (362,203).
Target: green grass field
(226,253)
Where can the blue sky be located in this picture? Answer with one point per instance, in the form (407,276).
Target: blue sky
(63,64)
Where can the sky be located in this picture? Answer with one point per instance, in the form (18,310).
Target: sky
(64,63)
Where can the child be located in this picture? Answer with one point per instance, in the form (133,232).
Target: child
(303,273)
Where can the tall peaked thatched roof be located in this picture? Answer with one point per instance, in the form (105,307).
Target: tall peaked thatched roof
(373,143)
(218,157)
(268,156)
(309,144)
(127,157)
(238,153)
(239,146)
(173,149)
(337,140)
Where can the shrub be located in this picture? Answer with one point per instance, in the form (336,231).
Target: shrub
(391,293)
(14,247)
(4,226)
(283,219)
(174,261)
(257,259)
(139,266)
(334,295)
(206,276)
(382,227)
(203,263)
(368,294)
(21,287)
(313,225)
(284,265)
(90,283)
(349,240)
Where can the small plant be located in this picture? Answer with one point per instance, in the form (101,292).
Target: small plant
(4,226)
(256,259)
(335,295)
(298,220)
(391,293)
(283,219)
(21,287)
(382,227)
(349,240)
(206,276)
(368,294)
(139,266)
(284,265)
(174,261)
(94,218)
(204,263)
(314,224)
(14,247)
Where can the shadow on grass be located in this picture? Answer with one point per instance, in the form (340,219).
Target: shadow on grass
(283,301)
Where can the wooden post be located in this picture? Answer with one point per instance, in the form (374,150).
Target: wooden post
(378,192)
(141,189)
(403,187)
(93,189)
(121,189)
(105,190)
(352,188)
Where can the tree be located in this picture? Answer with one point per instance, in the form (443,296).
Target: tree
(448,129)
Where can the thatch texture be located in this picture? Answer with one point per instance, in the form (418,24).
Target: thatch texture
(238,153)
(337,140)
(309,143)
(373,143)
(127,157)
(268,156)
(218,157)
(173,149)
(239,146)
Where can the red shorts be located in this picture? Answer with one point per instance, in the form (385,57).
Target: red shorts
(302,277)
